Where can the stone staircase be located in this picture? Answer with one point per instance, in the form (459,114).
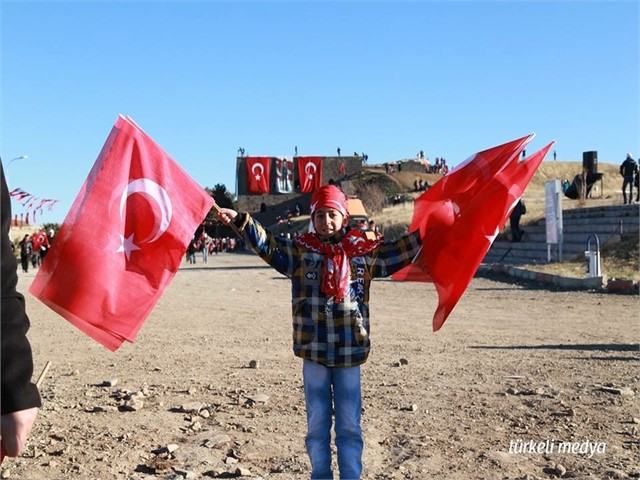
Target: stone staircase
(610,223)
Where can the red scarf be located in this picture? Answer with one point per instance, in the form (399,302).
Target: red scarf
(335,268)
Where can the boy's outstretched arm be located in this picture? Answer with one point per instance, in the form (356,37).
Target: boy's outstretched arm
(276,252)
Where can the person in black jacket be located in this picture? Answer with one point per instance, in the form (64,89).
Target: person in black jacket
(19,396)
(628,170)
(514,221)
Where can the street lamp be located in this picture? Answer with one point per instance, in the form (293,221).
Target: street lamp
(22,157)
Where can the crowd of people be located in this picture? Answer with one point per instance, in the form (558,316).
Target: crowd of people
(208,245)
(33,248)
(420,185)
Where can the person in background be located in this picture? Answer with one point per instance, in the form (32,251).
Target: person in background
(20,397)
(629,171)
(26,249)
(514,221)
(192,249)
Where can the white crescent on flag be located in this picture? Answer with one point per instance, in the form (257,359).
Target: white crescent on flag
(308,171)
(160,196)
(253,169)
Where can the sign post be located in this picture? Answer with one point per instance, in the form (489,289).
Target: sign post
(553,216)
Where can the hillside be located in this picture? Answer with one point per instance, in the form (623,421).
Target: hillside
(399,217)
(620,261)
(396,219)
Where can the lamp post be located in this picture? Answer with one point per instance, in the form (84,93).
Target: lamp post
(22,157)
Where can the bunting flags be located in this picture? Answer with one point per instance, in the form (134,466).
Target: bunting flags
(460,216)
(258,170)
(310,173)
(32,203)
(123,239)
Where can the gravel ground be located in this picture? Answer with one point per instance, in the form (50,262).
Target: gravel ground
(520,383)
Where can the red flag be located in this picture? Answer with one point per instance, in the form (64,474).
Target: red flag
(310,173)
(123,239)
(258,169)
(40,239)
(459,221)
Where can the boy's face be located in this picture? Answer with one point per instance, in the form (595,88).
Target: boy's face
(328,221)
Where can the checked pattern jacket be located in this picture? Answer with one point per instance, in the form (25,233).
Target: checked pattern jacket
(334,334)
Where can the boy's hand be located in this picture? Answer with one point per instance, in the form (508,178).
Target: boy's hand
(227,215)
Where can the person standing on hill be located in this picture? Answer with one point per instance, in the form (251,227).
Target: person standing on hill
(514,221)
(629,171)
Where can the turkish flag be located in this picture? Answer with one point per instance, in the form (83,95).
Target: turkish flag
(310,173)
(460,219)
(258,169)
(40,239)
(123,238)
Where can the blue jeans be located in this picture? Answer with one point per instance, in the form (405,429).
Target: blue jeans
(320,385)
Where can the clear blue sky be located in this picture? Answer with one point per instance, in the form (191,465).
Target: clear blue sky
(384,78)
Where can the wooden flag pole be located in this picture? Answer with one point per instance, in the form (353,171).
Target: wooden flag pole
(43,374)
(231,224)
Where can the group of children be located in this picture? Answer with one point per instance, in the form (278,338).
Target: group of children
(331,271)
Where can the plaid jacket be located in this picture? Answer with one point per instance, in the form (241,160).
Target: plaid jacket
(334,334)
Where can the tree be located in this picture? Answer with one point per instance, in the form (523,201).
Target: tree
(223,199)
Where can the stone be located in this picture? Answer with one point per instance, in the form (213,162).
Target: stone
(191,407)
(560,470)
(258,398)
(172,447)
(254,364)
(112,382)
(218,441)
(184,473)
(624,391)
(133,405)
(242,472)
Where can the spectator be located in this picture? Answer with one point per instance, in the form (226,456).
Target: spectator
(26,249)
(628,170)
(514,221)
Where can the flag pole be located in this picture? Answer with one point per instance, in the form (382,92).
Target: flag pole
(231,224)
(43,374)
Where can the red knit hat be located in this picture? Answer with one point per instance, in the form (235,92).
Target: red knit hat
(329,196)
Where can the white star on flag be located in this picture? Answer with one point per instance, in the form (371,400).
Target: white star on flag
(127,245)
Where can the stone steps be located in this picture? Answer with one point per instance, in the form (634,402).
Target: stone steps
(610,223)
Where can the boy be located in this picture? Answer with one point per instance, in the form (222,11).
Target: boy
(331,270)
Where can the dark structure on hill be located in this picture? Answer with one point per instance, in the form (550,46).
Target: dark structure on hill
(267,206)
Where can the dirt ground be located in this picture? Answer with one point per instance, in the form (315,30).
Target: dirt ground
(520,383)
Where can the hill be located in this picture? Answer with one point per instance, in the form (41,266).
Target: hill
(396,219)
(399,217)
(619,261)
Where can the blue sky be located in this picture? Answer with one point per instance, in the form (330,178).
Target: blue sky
(384,78)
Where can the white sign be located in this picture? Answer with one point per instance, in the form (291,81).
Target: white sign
(553,212)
